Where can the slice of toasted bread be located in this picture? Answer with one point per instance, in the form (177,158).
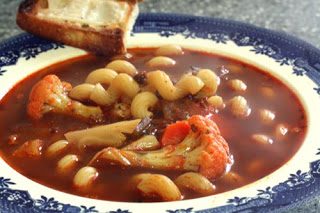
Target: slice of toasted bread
(100,26)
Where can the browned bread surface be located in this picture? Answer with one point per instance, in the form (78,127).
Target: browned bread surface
(107,39)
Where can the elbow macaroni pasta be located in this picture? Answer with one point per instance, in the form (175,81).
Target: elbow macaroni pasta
(123,84)
(119,84)
(141,103)
(188,84)
(122,66)
(103,76)
(117,76)
(82,92)
(211,82)
(161,61)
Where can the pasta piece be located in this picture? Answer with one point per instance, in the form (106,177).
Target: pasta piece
(67,164)
(195,182)
(154,184)
(170,49)
(119,84)
(145,143)
(102,97)
(142,103)
(161,61)
(123,84)
(211,82)
(126,85)
(163,84)
(56,148)
(81,92)
(122,66)
(85,177)
(103,76)
(105,136)
(188,84)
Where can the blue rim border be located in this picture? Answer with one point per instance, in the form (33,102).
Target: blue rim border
(284,48)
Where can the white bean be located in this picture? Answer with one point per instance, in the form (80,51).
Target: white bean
(161,61)
(239,107)
(266,116)
(237,85)
(67,164)
(234,68)
(122,66)
(195,182)
(168,50)
(233,178)
(85,177)
(262,139)
(267,92)
(56,148)
(216,101)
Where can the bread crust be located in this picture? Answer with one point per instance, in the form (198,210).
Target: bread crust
(106,41)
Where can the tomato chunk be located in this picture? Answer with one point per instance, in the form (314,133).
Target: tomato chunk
(175,133)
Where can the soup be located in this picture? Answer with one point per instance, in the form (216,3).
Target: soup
(154,125)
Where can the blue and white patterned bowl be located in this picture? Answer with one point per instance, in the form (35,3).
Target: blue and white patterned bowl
(293,61)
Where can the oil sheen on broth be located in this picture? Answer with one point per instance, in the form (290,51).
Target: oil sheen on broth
(275,127)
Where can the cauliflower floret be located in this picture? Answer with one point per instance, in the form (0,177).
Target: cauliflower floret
(51,95)
(203,150)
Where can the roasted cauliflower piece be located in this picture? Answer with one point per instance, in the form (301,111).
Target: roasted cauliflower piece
(51,95)
(203,150)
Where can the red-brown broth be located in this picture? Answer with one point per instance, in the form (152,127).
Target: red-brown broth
(113,182)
